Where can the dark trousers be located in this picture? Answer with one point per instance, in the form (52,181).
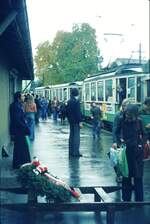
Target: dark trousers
(21,152)
(127,189)
(74,140)
(96,129)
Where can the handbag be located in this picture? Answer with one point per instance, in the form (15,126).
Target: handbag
(118,159)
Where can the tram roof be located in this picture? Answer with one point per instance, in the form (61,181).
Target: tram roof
(118,71)
(70,84)
(15,43)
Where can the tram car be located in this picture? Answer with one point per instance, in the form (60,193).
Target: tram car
(40,91)
(61,91)
(108,89)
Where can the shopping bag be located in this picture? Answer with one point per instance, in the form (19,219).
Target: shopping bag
(112,154)
(28,141)
(122,161)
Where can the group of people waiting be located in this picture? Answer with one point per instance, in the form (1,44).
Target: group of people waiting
(127,128)
(50,108)
(25,112)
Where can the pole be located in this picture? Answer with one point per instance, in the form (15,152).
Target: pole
(140,53)
(27,86)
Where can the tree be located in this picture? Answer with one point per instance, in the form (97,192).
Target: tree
(70,57)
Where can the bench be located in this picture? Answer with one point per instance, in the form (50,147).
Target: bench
(102,202)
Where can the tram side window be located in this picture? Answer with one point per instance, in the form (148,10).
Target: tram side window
(61,98)
(80,94)
(47,93)
(57,94)
(148,88)
(87,92)
(100,88)
(65,94)
(54,93)
(50,94)
(93,91)
(108,90)
(131,88)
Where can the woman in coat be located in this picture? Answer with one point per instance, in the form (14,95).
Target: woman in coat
(19,130)
(130,131)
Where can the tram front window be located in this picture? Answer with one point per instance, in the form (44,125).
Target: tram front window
(131,88)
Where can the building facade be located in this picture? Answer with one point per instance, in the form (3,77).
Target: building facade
(16,63)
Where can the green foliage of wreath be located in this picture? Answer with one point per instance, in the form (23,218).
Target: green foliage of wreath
(39,185)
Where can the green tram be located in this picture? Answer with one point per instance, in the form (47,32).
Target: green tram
(108,89)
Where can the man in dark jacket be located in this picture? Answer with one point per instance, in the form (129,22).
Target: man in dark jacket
(20,131)
(74,117)
(129,129)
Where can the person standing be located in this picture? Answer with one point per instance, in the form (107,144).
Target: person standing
(37,114)
(129,130)
(62,111)
(96,120)
(30,110)
(55,108)
(19,130)
(144,112)
(117,118)
(43,105)
(74,117)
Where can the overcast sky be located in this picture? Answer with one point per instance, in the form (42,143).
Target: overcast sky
(130,18)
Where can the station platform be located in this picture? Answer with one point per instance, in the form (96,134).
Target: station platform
(93,169)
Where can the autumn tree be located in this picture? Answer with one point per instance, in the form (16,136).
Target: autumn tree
(70,57)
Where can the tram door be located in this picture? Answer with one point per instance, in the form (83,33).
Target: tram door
(138,86)
(121,89)
(148,88)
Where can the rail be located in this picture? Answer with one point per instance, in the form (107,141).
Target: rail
(102,202)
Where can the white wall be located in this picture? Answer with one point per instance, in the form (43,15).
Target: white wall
(8,85)
(4,107)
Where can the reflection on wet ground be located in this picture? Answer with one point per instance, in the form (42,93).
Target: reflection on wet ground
(93,169)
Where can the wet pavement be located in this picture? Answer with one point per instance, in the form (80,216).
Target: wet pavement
(93,169)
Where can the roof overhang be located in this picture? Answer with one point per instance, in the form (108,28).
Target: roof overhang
(15,43)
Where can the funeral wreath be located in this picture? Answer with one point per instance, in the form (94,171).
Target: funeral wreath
(36,178)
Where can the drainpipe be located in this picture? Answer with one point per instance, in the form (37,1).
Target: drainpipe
(26,86)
